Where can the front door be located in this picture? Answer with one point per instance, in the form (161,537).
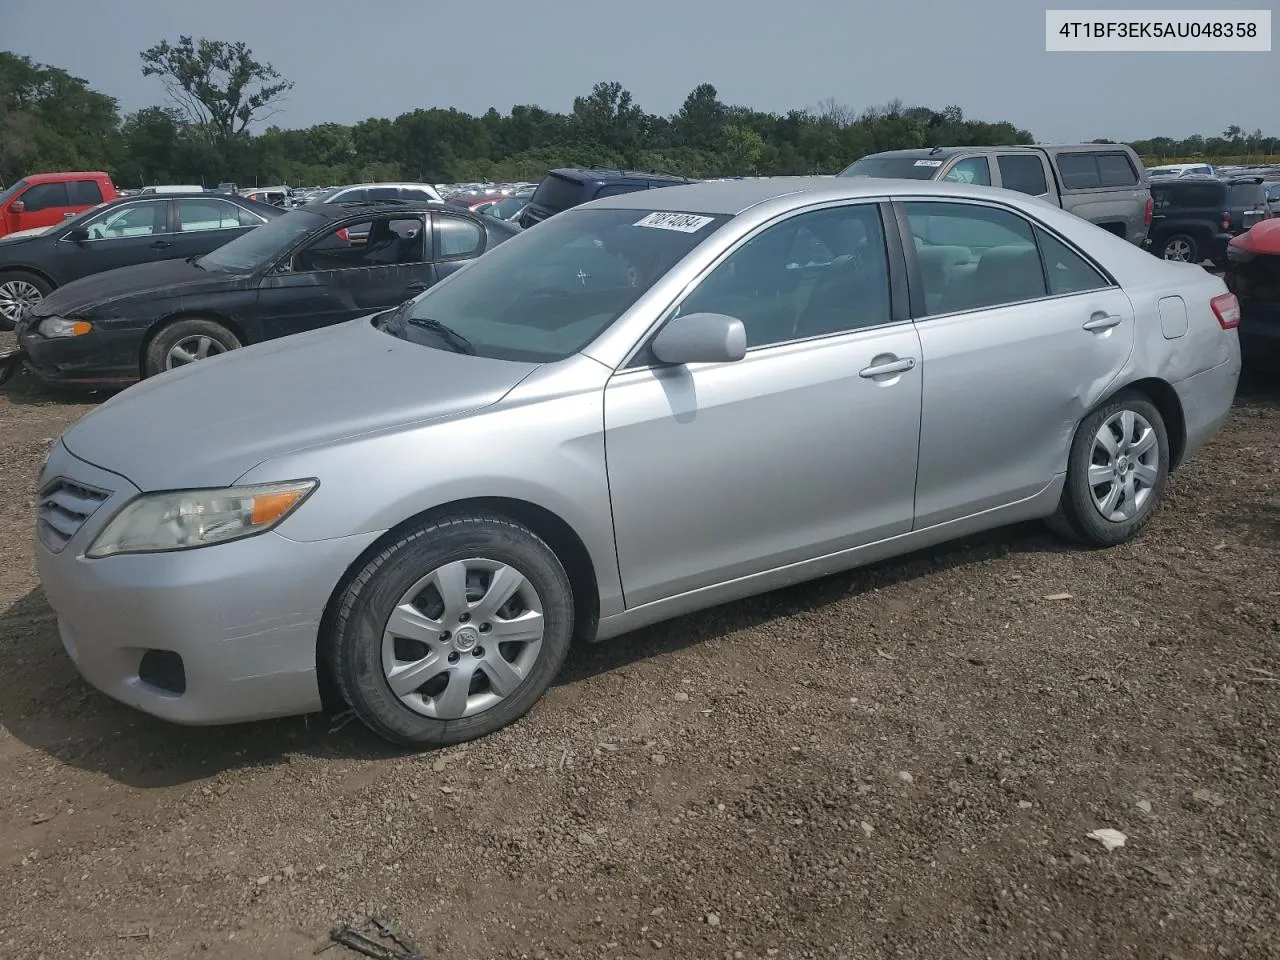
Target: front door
(805,447)
(132,233)
(43,205)
(332,279)
(1020,335)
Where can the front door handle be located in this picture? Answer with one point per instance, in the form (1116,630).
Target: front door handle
(418,286)
(161,245)
(887,368)
(1103,321)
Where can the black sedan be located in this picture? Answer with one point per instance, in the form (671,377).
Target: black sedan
(119,233)
(303,270)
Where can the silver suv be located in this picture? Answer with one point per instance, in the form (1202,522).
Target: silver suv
(1105,184)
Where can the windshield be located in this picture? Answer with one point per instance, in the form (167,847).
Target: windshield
(261,245)
(545,294)
(7,195)
(904,168)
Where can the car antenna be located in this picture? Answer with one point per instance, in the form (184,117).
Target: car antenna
(935,150)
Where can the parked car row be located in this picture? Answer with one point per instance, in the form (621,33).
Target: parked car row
(562,437)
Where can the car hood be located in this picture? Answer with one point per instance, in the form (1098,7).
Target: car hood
(143,281)
(208,423)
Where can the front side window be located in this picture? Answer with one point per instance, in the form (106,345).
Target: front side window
(45,196)
(456,237)
(545,294)
(197,215)
(972,256)
(1023,173)
(133,220)
(970,170)
(84,193)
(816,273)
(260,248)
(388,241)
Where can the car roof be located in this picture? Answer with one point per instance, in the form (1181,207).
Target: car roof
(585,174)
(731,197)
(342,210)
(53,177)
(383,183)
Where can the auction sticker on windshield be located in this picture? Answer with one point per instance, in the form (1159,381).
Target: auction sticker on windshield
(928,163)
(683,222)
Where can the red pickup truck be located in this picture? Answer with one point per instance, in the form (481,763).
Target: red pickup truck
(44,199)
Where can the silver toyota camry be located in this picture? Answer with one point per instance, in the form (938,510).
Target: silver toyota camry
(644,406)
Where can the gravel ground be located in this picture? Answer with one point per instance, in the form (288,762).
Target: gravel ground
(905,761)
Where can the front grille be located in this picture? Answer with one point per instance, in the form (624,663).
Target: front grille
(63,508)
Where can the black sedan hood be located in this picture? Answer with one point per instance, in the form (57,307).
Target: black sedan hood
(102,292)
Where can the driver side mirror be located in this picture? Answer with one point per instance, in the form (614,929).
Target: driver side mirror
(77,235)
(17,207)
(701,338)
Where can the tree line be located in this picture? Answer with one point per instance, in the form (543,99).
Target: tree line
(216,91)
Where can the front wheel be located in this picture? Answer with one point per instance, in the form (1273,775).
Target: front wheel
(186,341)
(451,632)
(1116,472)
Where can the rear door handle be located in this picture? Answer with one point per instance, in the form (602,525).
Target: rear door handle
(1103,321)
(887,368)
(161,244)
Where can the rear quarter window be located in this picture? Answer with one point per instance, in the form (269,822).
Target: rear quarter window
(1086,171)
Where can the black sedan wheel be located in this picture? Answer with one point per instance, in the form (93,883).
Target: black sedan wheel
(187,341)
(19,291)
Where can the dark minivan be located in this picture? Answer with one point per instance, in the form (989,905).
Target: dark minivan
(1195,217)
(571,186)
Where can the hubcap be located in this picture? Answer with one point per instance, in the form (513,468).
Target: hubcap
(462,639)
(1177,250)
(190,349)
(16,297)
(1124,466)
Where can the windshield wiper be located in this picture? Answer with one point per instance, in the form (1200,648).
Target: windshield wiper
(456,340)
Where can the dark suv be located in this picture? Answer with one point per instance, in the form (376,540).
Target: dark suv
(1194,218)
(571,186)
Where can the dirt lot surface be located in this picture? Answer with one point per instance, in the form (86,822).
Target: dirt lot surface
(905,761)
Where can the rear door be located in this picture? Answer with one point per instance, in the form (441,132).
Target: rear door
(206,223)
(1017,344)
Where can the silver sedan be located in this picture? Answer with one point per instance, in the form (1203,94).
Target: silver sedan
(651,404)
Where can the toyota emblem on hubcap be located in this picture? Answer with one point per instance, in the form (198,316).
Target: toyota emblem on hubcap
(465,638)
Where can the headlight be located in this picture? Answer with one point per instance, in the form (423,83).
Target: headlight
(185,519)
(53,327)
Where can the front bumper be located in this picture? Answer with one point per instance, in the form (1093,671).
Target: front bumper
(243,617)
(96,357)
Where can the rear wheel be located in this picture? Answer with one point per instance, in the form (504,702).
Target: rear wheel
(452,632)
(1116,472)
(186,341)
(19,291)
(1181,248)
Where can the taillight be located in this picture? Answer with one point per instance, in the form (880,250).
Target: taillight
(1150,207)
(1226,219)
(1227,309)
(344,236)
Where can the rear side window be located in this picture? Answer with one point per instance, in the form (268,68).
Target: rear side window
(383,193)
(1196,196)
(557,193)
(1023,173)
(43,196)
(1066,270)
(415,193)
(84,193)
(247,218)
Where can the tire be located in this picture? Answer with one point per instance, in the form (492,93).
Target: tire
(1181,248)
(362,640)
(19,289)
(1079,517)
(193,335)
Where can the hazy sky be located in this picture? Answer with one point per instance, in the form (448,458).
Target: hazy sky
(352,60)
